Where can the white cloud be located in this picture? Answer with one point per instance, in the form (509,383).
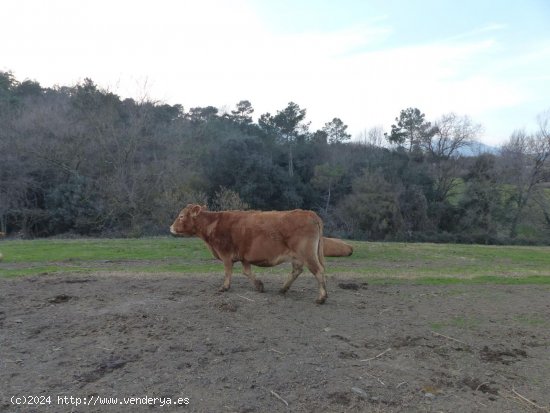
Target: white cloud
(218,52)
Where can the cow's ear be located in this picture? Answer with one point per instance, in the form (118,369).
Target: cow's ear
(195,210)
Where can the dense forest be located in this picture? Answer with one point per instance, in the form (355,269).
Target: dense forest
(81,160)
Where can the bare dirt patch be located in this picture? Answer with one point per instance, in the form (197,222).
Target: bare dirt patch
(384,348)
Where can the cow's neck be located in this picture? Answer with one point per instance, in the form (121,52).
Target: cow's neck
(205,223)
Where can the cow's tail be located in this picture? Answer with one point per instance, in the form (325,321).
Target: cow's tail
(320,249)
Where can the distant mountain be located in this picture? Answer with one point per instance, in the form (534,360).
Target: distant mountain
(477,148)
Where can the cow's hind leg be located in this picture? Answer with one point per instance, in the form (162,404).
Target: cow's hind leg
(311,253)
(248,272)
(228,267)
(297,268)
(318,271)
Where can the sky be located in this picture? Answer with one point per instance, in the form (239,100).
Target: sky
(362,61)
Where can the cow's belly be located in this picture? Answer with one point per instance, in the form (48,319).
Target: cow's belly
(267,255)
(269,261)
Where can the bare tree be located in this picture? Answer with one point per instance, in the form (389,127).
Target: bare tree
(373,137)
(453,132)
(544,124)
(226,199)
(525,165)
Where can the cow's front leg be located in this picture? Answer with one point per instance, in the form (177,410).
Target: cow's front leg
(248,272)
(228,268)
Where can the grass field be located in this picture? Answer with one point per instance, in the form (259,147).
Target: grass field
(379,262)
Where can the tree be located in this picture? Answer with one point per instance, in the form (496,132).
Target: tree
(7,84)
(542,198)
(450,134)
(226,199)
(413,207)
(372,207)
(243,113)
(524,159)
(80,159)
(336,131)
(199,114)
(372,137)
(29,88)
(8,87)
(411,129)
(288,125)
(259,180)
(325,178)
(481,199)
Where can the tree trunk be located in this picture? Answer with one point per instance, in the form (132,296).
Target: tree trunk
(290,161)
(328,198)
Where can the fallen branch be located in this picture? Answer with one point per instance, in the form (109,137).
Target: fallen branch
(375,357)
(482,384)
(276,351)
(279,397)
(525,399)
(450,338)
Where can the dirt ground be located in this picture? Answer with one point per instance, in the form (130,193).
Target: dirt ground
(379,348)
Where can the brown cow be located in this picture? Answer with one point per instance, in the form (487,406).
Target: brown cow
(264,239)
(334,247)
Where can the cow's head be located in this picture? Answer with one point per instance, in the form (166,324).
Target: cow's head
(184,224)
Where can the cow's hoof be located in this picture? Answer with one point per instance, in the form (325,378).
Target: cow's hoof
(321,300)
(283,290)
(223,289)
(259,286)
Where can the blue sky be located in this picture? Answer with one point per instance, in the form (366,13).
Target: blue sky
(362,61)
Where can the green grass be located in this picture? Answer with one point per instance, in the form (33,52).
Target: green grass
(52,250)
(484,279)
(531,320)
(438,261)
(430,264)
